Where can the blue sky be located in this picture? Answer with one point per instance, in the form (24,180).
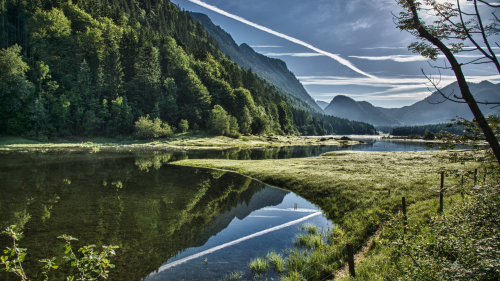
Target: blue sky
(348,47)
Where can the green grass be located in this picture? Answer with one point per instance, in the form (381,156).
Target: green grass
(277,262)
(259,266)
(189,140)
(352,189)
(379,263)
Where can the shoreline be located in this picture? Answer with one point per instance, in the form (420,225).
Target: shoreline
(181,142)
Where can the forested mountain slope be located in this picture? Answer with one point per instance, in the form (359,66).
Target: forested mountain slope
(93,67)
(272,70)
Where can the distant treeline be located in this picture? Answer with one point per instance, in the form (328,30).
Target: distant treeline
(420,130)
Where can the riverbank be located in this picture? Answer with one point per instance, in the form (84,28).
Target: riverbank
(358,191)
(183,141)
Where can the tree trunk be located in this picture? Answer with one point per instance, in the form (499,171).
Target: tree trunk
(462,83)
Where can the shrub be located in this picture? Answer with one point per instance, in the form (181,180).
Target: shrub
(183,125)
(428,135)
(146,128)
(218,122)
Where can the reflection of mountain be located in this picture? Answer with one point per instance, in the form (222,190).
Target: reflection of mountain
(151,214)
(265,197)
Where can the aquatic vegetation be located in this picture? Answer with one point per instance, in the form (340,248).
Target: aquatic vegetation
(277,262)
(259,265)
(309,240)
(310,228)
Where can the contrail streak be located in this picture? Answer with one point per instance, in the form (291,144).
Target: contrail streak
(284,36)
(211,250)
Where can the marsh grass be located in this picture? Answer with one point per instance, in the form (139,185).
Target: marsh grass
(309,240)
(310,228)
(276,261)
(236,275)
(259,266)
(351,187)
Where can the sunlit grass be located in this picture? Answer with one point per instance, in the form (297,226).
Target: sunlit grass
(277,262)
(189,140)
(352,188)
(259,266)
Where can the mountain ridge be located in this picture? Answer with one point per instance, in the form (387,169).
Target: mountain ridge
(433,109)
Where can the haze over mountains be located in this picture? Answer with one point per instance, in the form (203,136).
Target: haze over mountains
(430,110)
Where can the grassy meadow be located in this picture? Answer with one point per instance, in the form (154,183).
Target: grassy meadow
(358,191)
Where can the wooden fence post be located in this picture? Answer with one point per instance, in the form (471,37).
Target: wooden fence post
(485,171)
(441,203)
(462,185)
(475,176)
(350,259)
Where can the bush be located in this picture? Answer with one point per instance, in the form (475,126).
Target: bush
(218,122)
(428,135)
(183,125)
(146,128)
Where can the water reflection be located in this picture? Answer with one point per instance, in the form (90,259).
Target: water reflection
(155,213)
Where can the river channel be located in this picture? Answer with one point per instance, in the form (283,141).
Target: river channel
(171,223)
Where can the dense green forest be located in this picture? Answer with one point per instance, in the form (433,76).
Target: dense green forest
(94,67)
(433,128)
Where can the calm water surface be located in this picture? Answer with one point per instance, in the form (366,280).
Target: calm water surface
(166,220)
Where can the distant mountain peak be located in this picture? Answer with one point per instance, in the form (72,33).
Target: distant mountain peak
(346,107)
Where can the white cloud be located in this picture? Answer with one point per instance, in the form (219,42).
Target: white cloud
(390,48)
(293,54)
(265,46)
(398,58)
(410,58)
(286,37)
(360,24)
(395,88)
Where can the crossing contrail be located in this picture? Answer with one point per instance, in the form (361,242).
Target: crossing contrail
(284,36)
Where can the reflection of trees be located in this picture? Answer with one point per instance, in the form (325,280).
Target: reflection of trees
(155,160)
(154,215)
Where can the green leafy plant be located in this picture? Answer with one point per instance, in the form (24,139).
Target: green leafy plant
(14,256)
(90,264)
(147,128)
(183,125)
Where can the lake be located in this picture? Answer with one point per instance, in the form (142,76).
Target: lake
(167,220)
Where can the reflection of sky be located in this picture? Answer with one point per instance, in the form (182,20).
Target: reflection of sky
(361,33)
(237,256)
